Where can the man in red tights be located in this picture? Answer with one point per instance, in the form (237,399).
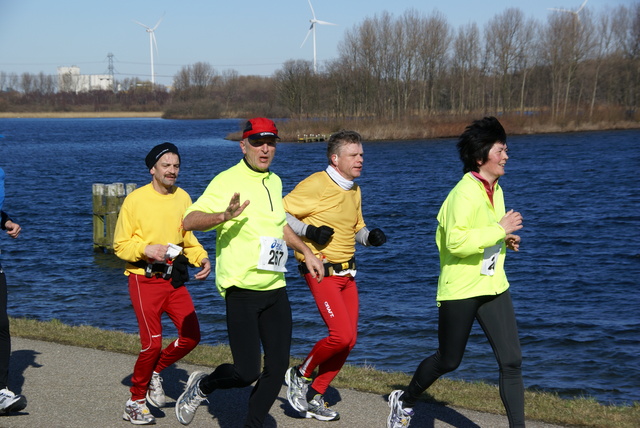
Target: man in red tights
(149,236)
(325,209)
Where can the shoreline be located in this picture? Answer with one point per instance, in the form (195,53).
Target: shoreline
(400,130)
(81,115)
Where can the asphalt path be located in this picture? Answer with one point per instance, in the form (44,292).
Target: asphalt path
(68,386)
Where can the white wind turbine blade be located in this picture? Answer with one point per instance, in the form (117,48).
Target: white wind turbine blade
(583,5)
(140,23)
(157,23)
(324,23)
(307,36)
(312,11)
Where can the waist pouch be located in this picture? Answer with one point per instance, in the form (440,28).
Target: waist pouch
(177,271)
(331,268)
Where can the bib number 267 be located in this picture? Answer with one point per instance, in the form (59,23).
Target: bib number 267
(273,254)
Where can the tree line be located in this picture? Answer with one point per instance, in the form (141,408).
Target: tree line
(416,64)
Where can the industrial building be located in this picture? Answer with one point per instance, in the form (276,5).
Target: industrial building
(70,80)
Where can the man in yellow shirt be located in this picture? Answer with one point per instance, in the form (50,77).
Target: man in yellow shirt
(149,236)
(326,210)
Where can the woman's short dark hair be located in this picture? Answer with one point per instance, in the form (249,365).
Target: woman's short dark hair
(339,140)
(476,141)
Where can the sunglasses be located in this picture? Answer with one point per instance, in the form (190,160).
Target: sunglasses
(260,143)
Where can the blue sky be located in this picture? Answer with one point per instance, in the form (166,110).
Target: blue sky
(250,36)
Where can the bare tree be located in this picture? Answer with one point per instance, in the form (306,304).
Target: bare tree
(44,83)
(195,81)
(464,67)
(293,84)
(567,40)
(432,54)
(27,83)
(411,23)
(230,85)
(507,37)
(602,48)
(626,33)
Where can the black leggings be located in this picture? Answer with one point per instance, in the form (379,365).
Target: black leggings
(255,318)
(455,318)
(5,338)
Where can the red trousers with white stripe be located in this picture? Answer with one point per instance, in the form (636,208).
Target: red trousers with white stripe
(337,300)
(151,297)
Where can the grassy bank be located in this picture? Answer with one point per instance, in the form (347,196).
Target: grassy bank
(445,126)
(475,396)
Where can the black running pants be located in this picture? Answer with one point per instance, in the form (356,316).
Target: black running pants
(496,316)
(5,338)
(255,318)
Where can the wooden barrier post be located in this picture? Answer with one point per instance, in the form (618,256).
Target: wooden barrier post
(107,200)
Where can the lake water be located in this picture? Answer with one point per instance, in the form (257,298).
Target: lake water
(575,281)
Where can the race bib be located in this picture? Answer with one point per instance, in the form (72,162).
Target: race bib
(273,254)
(490,259)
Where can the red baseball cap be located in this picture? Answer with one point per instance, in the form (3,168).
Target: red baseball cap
(259,127)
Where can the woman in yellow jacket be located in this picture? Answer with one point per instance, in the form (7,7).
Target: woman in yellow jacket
(473,234)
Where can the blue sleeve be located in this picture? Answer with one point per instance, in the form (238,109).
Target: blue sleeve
(1,188)
(3,215)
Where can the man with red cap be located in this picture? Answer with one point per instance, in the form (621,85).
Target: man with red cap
(251,253)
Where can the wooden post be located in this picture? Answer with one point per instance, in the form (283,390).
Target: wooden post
(107,200)
(98,216)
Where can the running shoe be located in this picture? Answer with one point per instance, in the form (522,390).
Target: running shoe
(399,417)
(10,402)
(138,413)
(297,387)
(155,393)
(190,399)
(318,409)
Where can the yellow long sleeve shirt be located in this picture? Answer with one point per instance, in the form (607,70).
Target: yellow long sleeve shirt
(318,200)
(147,218)
(468,233)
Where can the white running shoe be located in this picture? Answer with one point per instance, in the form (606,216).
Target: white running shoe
(190,399)
(10,402)
(320,410)
(297,387)
(399,417)
(155,393)
(138,413)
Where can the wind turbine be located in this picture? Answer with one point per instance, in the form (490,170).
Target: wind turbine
(574,12)
(152,44)
(314,21)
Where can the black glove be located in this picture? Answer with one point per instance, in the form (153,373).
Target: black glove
(180,271)
(377,237)
(320,235)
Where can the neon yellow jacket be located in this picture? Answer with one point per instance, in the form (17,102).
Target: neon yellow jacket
(147,218)
(467,224)
(238,239)
(318,200)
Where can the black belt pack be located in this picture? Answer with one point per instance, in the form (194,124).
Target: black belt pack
(331,268)
(177,271)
